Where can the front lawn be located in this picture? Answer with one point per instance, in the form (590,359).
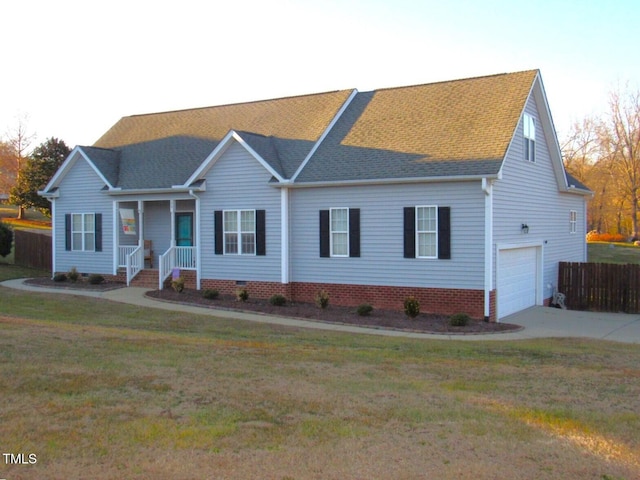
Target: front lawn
(103,390)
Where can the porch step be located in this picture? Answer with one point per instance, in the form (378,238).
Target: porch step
(147,278)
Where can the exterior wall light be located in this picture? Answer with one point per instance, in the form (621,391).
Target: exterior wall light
(524,228)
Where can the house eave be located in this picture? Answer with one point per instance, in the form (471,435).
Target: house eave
(388,181)
(156,191)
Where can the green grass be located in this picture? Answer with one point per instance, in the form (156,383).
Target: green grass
(105,390)
(604,252)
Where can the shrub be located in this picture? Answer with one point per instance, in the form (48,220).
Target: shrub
(210,294)
(95,279)
(59,277)
(411,307)
(73,274)
(364,309)
(242,294)
(595,236)
(277,300)
(6,239)
(322,299)
(459,320)
(178,284)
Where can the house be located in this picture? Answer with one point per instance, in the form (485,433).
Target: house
(454,192)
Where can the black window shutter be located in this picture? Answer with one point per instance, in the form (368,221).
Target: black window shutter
(261,239)
(218,233)
(444,233)
(325,250)
(409,232)
(67,232)
(354,232)
(98,232)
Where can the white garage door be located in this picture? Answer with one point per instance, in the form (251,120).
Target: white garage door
(516,280)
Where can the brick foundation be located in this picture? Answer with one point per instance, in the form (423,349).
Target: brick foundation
(432,300)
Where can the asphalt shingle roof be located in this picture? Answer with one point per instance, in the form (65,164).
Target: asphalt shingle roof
(459,127)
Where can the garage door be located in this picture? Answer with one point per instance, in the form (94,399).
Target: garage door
(516,280)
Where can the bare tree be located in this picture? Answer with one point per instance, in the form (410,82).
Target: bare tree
(620,142)
(20,140)
(8,168)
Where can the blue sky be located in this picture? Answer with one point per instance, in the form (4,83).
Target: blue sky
(75,67)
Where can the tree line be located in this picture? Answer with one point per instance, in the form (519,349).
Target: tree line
(603,152)
(23,172)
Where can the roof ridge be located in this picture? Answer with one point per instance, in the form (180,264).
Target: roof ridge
(233,104)
(464,79)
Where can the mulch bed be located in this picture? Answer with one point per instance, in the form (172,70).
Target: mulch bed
(389,319)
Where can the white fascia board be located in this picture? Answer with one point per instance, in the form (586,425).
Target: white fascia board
(324,134)
(389,181)
(98,172)
(220,149)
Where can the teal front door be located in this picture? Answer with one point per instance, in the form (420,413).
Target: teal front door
(184,229)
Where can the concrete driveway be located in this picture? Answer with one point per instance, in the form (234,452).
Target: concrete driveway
(544,322)
(537,322)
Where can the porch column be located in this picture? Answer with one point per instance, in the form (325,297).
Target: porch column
(141,221)
(284,235)
(172,209)
(116,244)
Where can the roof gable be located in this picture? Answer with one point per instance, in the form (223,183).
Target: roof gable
(102,158)
(455,128)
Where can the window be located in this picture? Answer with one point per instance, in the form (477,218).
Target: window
(573,221)
(529,138)
(83,232)
(340,232)
(239,232)
(426,232)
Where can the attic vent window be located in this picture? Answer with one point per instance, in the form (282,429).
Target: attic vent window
(529,138)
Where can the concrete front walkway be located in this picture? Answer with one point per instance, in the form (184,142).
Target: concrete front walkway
(537,322)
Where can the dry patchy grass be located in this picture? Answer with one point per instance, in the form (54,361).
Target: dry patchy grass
(101,390)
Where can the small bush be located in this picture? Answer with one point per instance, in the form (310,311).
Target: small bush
(242,294)
(595,236)
(277,300)
(211,294)
(73,274)
(364,309)
(411,307)
(59,277)
(459,320)
(95,279)
(178,284)
(322,299)
(6,239)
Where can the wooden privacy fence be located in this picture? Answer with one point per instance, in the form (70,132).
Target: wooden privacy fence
(604,287)
(32,249)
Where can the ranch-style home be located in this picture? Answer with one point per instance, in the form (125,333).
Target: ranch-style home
(453,192)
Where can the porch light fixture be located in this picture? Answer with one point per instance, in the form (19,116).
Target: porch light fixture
(524,228)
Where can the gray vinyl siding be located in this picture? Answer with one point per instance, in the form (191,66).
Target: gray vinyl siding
(528,193)
(382,261)
(81,192)
(237,181)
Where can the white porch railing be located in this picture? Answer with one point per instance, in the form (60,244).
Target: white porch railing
(123,253)
(183,258)
(135,263)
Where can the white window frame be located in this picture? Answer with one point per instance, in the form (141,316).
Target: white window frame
(420,232)
(84,246)
(573,221)
(334,233)
(241,234)
(529,138)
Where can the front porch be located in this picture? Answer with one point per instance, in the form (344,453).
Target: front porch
(156,236)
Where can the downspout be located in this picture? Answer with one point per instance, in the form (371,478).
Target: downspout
(53,235)
(487,188)
(116,243)
(197,236)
